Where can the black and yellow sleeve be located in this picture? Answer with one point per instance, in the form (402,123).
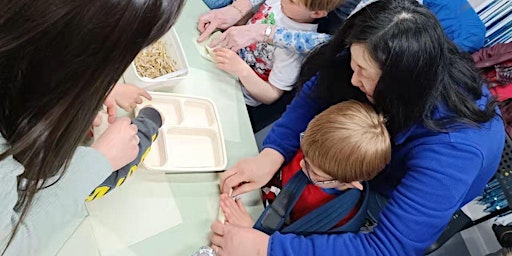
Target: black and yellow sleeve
(148,121)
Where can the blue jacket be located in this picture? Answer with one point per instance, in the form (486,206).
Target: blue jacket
(457,17)
(431,175)
(460,23)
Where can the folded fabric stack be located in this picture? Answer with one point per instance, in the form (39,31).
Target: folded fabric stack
(497,17)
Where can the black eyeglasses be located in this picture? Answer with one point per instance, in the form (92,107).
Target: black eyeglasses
(308,172)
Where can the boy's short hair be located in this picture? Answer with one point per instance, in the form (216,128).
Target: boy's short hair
(348,141)
(320,5)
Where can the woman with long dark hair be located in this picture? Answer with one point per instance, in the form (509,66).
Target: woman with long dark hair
(447,136)
(58,61)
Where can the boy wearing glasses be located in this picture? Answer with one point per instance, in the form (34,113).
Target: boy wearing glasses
(345,144)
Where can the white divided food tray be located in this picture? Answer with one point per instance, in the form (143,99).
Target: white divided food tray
(191,139)
(175,53)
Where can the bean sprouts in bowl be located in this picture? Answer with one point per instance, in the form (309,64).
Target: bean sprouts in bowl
(154,61)
(161,61)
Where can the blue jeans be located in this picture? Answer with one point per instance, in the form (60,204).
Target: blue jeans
(216,4)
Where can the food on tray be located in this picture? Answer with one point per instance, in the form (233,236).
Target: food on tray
(154,61)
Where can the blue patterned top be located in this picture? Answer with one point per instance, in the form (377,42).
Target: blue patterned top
(300,41)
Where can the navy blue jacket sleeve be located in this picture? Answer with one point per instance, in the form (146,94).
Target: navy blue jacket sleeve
(460,23)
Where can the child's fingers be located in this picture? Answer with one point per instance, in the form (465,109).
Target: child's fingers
(138,100)
(223,201)
(229,206)
(227,210)
(224,207)
(222,52)
(145,94)
(241,205)
(220,60)
(222,67)
(228,217)
(220,56)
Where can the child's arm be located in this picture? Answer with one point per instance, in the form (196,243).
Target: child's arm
(301,42)
(148,122)
(259,89)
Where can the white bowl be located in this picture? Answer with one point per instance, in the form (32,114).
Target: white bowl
(176,53)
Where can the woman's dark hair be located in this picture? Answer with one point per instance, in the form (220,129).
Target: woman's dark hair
(58,61)
(422,70)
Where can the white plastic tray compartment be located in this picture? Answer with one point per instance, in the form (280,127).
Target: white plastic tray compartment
(157,157)
(193,148)
(199,113)
(170,108)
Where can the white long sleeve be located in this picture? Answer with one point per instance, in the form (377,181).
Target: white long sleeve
(56,211)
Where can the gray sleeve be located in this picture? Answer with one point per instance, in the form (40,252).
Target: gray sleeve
(148,121)
(56,211)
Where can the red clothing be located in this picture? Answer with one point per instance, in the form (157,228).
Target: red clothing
(502,92)
(312,197)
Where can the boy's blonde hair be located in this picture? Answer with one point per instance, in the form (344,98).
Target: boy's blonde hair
(348,141)
(320,5)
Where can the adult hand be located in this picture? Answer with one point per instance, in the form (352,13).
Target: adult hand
(238,37)
(222,18)
(231,240)
(230,62)
(251,173)
(119,143)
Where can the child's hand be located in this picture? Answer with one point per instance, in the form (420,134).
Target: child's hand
(235,212)
(230,62)
(126,96)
